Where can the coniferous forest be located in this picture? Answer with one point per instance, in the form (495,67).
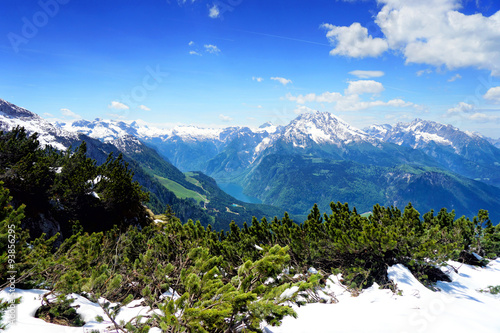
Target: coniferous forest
(107,246)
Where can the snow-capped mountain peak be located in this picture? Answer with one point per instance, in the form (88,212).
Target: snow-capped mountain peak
(420,133)
(322,128)
(12,115)
(378,131)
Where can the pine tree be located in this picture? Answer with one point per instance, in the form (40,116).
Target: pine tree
(13,238)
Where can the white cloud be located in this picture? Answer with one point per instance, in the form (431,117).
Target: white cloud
(302,109)
(354,41)
(281,80)
(326,97)
(258,79)
(118,106)
(191,43)
(424,71)
(461,108)
(348,102)
(213,49)
(70,114)
(144,107)
(225,118)
(354,104)
(352,99)
(455,77)
(469,112)
(493,94)
(483,118)
(431,32)
(116,116)
(364,87)
(367,74)
(194,53)
(213,12)
(434,32)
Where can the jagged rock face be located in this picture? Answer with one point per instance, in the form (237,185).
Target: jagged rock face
(465,153)
(12,116)
(44,224)
(421,133)
(320,143)
(322,128)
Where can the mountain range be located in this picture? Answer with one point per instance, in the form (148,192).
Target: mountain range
(319,158)
(191,196)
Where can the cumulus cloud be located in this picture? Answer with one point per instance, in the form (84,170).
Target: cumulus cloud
(493,94)
(258,79)
(354,41)
(194,53)
(281,80)
(144,107)
(117,106)
(348,102)
(225,118)
(432,32)
(469,112)
(367,74)
(214,12)
(191,43)
(213,49)
(483,118)
(455,77)
(354,104)
(326,97)
(352,99)
(364,87)
(302,109)
(461,107)
(424,71)
(70,114)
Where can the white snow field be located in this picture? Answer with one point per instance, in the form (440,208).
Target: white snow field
(458,306)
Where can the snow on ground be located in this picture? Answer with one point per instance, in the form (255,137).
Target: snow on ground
(31,301)
(459,306)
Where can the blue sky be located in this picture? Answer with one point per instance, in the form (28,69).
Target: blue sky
(245,62)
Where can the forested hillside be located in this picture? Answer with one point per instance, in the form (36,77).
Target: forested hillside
(198,279)
(68,190)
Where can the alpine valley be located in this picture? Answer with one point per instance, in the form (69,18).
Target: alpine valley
(190,195)
(316,158)
(319,158)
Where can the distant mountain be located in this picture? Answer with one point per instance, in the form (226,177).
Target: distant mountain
(495,142)
(12,116)
(193,196)
(298,181)
(189,148)
(465,153)
(322,128)
(318,158)
(204,197)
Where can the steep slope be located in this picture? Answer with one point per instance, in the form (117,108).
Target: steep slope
(298,181)
(165,183)
(202,192)
(12,115)
(495,142)
(318,158)
(465,153)
(187,147)
(323,135)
